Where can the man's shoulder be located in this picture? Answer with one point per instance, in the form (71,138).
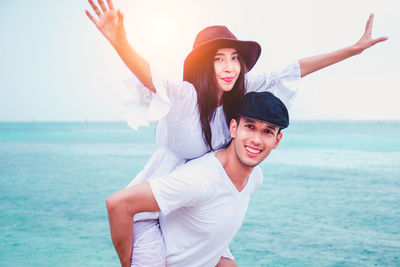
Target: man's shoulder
(205,160)
(199,168)
(202,173)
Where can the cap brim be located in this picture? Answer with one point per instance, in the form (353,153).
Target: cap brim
(274,124)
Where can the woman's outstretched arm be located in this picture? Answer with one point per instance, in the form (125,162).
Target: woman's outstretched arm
(311,64)
(110,23)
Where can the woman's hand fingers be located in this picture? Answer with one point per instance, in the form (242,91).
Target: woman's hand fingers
(378,40)
(108,21)
(120,15)
(102,6)
(110,4)
(91,17)
(368,27)
(95,8)
(366,40)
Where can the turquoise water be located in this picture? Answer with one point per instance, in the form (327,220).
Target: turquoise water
(330,197)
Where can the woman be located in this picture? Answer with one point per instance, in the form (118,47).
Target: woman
(193,114)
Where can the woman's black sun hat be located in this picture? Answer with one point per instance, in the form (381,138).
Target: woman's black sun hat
(213,38)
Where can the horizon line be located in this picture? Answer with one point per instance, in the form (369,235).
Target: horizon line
(294,121)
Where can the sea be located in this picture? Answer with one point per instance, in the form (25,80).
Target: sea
(330,195)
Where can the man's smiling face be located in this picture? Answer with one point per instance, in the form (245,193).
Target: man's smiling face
(253,140)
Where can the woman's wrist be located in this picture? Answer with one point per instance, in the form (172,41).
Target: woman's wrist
(120,44)
(356,49)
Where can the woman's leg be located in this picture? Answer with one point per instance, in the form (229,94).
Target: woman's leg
(227,259)
(226,262)
(148,244)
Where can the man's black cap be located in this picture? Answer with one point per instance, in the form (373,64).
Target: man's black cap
(265,107)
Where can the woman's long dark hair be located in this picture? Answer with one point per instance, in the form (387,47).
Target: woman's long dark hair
(206,87)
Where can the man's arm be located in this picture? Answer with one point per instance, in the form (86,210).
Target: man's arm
(122,206)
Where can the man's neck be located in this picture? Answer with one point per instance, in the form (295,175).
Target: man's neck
(237,172)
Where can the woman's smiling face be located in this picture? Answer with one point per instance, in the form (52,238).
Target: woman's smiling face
(226,68)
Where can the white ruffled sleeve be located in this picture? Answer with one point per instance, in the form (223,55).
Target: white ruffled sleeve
(284,84)
(141,106)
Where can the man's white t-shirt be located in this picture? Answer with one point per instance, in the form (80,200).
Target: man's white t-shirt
(201,210)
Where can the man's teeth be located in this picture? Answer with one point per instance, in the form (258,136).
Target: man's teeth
(253,150)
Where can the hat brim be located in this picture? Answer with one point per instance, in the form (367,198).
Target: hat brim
(249,51)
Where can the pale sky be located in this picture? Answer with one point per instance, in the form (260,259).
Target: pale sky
(56,66)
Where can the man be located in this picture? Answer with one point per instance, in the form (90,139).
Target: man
(203,203)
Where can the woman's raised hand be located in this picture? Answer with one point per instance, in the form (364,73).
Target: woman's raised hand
(310,64)
(366,41)
(109,21)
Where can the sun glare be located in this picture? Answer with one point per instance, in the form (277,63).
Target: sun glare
(161,28)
